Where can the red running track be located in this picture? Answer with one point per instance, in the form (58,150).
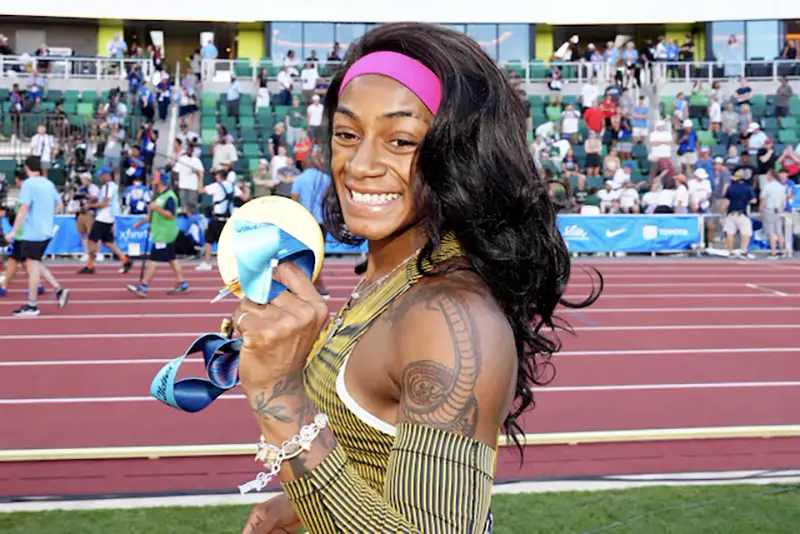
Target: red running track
(668,345)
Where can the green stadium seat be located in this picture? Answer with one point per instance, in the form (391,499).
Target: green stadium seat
(787,137)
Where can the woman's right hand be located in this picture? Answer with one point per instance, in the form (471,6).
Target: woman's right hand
(275,516)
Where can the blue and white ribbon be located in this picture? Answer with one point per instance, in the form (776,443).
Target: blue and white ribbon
(258,249)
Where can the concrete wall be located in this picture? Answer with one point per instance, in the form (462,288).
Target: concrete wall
(24,34)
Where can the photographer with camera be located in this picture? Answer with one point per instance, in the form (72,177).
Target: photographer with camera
(84,194)
(226,196)
(108,208)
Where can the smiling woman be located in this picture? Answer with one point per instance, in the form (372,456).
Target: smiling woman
(390,421)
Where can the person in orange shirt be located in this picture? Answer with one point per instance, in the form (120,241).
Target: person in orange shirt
(302,149)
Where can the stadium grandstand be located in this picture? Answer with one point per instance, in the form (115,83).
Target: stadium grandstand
(640,118)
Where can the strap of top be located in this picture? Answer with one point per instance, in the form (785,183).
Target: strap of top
(357,320)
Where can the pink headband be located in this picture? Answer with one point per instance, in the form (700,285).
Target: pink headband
(418,78)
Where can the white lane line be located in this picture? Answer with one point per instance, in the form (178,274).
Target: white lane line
(545,389)
(767,289)
(177,314)
(565,354)
(649,328)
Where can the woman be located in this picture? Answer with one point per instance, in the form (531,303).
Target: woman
(611,163)
(465,265)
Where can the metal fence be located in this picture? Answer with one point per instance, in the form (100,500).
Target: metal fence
(57,67)
(220,70)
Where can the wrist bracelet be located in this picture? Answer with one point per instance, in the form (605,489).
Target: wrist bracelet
(273,457)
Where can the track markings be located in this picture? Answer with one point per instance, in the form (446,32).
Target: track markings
(545,389)
(767,289)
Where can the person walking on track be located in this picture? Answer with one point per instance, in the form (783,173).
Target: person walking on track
(163,233)
(224,195)
(39,200)
(108,208)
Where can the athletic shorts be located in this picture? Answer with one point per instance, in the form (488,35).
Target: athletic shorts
(214,230)
(16,251)
(33,250)
(162,252)
(101,232)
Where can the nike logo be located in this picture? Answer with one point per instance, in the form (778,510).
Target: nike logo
(614,233)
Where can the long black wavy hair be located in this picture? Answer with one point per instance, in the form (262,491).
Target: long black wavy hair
(476,178)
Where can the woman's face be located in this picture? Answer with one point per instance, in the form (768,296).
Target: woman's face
(377,129)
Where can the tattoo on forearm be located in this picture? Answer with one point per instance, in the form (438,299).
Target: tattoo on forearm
(272,407)
(435,394)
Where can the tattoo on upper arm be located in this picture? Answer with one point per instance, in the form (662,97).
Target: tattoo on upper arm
(438,395)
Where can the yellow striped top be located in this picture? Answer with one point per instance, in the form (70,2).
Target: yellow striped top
(420,480)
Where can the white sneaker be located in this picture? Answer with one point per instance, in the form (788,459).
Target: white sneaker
(203,267)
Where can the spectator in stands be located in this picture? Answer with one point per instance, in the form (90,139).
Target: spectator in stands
(609,198)
(262,89)
(294,121)
(335,53)
(640,120)
(729,128)
(623,175)
(262,179)
(224,150)
(733,159)
(650,199)
(714,115)
(665,201)
(589,94)
(276,140)
(554,85)
(189,169)
(744,93)
(611,163)
(279,161)
(232,97)
(629,199)
(594,117)
(147,102)
(765,161)
(593,147)
(687,147)
(681,194)
(782,97)
(314,115)
(302,149)
(609,108)
(196,66)
(625,138)
(680,111)
(749,171)
(135,81)
(209,55)
(147,139)
(188,137)
(699,188)
(791,189)
(772,205)
(137,197)
(720,180)
(134,166)
(738,198)
(661,142)
(704,161)
(745,120)
(35,87)
(163,95)
(117,47)
(5,47)
(285,84)
(790,162)
(569,124)
(44,147)
(112,152)
(309,76)
(569,166)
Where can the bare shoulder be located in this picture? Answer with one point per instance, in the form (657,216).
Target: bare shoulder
(455,358)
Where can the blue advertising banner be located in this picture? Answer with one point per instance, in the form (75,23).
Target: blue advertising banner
(629,233)
(133,241)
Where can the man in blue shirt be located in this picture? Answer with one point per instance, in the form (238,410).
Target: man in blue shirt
(38,201)
(308,189)
(738,197)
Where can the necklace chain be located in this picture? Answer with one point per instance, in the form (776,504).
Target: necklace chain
(357,294)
